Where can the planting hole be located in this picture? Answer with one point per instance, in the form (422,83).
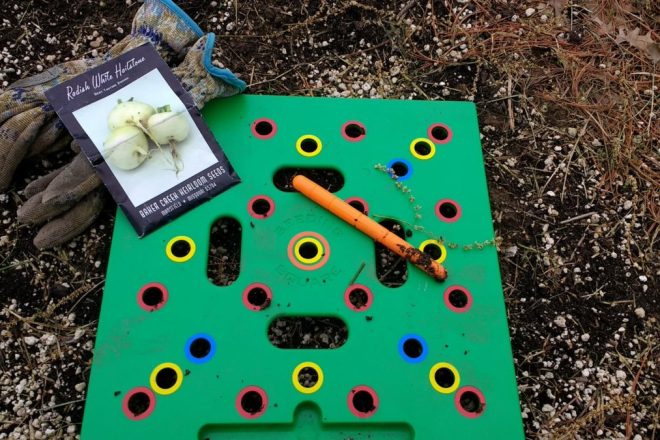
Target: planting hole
(180,248)
(308,250)
(331,180)
(422,148)
(223,265)
(433,250)
(309,145)
(152,296)
(261,207)
(470,402)
(257,297)
(308,377)
(358,298)
(363,401)
(354,131)
(139,403)
(166,378)
(252,402)
(400,169)
(458,298)
(448,210)
(357,205)
(199,348)
(440,133)
(264,128)
(391,270)
(413,348)
(444,377)
(303,332)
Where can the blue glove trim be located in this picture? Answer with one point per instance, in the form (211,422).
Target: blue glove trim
(183,16)
(224,74)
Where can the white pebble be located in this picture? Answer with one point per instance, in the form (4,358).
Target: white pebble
(627,204)
(530,11)
(643,278)
(547,408)
(640,312)
(560,321)
(30,340)
(585,337)
(80,386)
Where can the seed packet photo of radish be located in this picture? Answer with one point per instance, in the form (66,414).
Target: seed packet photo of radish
(144,136)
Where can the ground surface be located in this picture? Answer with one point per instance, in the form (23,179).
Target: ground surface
(567,98)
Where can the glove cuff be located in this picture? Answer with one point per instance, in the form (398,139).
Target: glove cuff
(224,74)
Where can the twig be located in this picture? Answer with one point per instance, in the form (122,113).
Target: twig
(357,274)
(509,104)
(577,217)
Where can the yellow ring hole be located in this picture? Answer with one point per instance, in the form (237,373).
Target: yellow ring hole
(426,142)
(298,385)
(443,249)
(436,386)
(173,388)
(315,258)
(302,139)
(188,256)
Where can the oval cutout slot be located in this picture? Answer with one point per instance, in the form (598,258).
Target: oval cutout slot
(224,260)
(303,332)
(391,270)
(329,178)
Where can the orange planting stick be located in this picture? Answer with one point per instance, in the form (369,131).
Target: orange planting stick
(369,227)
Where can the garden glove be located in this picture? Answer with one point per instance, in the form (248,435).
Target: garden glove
(28,124)
(69,199)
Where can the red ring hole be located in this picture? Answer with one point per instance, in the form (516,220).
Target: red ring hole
(251,402)
(257,296)
(152,296)
(448,210)
(139,403)
(359,204)
(440,133)
(261,206)
(470,402)
(353,131)
(264,128)
(458,299)
(363,401)
(358,297)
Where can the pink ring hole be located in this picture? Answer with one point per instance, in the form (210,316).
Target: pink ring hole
(470,405)
(359,204)
(257,296)
(321,262)
(363,401)
(261,206)
(358,297)
(440,133)
(152,296)
(458,299)
(448,210)
(353,131)
(251,402)
(263,128)
(134,402)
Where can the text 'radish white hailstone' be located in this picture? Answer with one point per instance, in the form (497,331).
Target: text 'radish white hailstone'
(167,127)
(126,147)
(130,113)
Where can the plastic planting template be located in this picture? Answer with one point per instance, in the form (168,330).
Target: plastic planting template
(194,339)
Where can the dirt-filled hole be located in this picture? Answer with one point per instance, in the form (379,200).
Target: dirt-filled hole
(309,145)
(330,179)
(470,402)
(258,297)
(263,128)
(354,131)
(301,332)
(391,270)
(444,377)
(422,148)
(448,210)
(200,348)
(458,298)
(308,377)
(308,250)
(261,207)
(399,169)
(224,258)
(358,298)
(440,133)
(358,205)
(413,348)
(433,250)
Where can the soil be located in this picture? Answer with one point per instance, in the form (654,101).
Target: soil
(567,101)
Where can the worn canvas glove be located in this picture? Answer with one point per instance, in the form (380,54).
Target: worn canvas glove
(28,124)
(69,199)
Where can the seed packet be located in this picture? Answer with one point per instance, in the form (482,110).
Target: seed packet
(144,136)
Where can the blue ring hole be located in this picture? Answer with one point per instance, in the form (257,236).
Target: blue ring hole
(413,348)
(200,348)
(402,169)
